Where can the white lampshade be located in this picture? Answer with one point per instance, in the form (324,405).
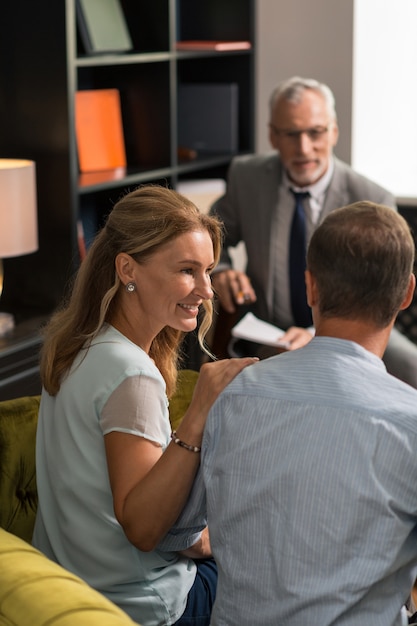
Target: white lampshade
(18,208)
(18,218)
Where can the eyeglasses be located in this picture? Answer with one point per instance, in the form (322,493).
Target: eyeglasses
(315,134)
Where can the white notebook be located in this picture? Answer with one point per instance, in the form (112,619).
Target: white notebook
(254,329)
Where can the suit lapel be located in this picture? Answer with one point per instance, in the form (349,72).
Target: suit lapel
(337,194)
(270,200)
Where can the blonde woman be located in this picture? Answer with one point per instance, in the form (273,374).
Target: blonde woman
(112,478)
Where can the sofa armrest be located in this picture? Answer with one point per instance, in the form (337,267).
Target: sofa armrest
(34,590)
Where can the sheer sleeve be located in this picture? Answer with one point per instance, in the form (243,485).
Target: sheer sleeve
(138,406)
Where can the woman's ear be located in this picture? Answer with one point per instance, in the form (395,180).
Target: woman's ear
(125,265)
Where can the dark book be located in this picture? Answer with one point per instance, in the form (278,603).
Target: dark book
(102,26)
(208,117)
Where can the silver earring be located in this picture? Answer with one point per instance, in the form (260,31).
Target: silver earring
(130,287)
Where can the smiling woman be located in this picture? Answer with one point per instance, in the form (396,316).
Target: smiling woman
(174,282)
(112,478)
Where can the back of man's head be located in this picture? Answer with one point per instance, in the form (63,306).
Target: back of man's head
(361,257)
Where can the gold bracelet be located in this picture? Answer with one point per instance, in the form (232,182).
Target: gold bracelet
(183,444)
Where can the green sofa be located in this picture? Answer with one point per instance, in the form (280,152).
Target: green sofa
(33,590)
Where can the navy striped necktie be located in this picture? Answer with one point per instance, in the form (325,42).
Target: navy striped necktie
(297,263)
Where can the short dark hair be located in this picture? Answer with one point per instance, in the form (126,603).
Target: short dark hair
(361,257)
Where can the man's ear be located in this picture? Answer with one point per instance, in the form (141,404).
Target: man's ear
(273,139)
(311,288)
(334,133)
(410,293)
(124,265)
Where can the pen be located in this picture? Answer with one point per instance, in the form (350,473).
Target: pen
(244,296)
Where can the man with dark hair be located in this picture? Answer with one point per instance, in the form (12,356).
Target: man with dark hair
(309,465)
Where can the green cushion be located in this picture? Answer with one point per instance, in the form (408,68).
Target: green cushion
(18,494)
(37,592)
(18,420)
(182,397)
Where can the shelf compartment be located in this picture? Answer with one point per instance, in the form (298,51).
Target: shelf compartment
(145,104)
(147,23)
(226,69)
(215,19)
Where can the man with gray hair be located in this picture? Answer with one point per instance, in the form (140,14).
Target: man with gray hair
(274,202)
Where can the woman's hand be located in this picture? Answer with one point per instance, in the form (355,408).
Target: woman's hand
(213,378)
(150,488)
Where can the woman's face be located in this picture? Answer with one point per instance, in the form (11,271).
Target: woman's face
(172,284)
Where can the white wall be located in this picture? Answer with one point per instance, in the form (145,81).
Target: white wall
(310,38)
(384,122)
(366,51)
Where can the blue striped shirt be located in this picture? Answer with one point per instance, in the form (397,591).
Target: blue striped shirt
(309,476)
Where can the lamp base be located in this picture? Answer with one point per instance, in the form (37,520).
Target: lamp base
(6,323)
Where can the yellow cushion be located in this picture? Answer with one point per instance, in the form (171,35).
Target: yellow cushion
(37,591)
(182,397)
(18,420)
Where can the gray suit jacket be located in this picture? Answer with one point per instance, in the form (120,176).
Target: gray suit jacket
(250,204)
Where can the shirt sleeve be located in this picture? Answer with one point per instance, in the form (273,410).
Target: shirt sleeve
(192,520)
(138,406)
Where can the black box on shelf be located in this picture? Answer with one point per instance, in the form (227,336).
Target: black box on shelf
(208,117)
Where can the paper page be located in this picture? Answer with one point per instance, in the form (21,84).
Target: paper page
(254,329)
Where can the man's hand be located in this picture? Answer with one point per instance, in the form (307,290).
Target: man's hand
(201,549)
(296,337)
(232,288)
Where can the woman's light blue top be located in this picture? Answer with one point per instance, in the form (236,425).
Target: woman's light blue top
(76,525)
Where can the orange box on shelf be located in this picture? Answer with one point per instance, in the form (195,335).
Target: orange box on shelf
(99,130)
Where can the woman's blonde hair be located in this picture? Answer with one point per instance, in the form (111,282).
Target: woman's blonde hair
(139,224)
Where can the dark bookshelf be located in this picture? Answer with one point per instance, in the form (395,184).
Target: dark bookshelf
(19,359)
(40,71)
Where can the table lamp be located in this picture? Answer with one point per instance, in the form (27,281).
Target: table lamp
(18,217)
